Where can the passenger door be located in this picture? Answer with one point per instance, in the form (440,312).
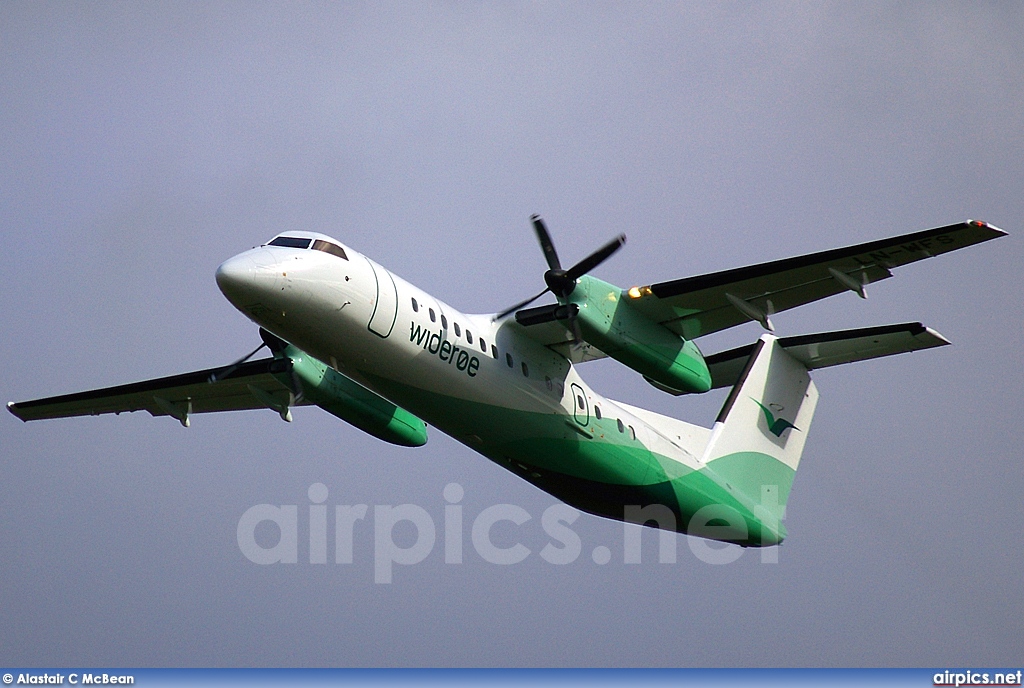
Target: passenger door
(385,308)
(580,405)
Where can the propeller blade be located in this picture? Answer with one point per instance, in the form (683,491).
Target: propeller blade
(548,246)
(596,258)
(224,372)
(516,307)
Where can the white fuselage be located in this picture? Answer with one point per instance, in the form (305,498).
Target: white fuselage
(388,335)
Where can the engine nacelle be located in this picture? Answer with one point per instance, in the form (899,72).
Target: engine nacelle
(609,322)
(348,400)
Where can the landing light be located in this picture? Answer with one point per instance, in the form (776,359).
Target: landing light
(637,292)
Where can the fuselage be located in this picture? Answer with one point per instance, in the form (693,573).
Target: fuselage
(480,380)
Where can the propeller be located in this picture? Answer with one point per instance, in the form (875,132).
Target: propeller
(280,364)
(274,343)
(224,372)
(561,282)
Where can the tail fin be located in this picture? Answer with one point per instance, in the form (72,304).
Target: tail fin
(759,435)
(757,440)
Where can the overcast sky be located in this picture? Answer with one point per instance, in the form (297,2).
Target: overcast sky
(145,143)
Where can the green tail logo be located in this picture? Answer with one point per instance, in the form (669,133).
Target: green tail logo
(776,426)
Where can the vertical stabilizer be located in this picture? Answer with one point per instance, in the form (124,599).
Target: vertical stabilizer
(759,435)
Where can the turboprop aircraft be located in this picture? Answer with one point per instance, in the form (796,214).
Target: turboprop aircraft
(363,344)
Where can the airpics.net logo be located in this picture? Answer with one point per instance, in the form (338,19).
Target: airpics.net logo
(563,546)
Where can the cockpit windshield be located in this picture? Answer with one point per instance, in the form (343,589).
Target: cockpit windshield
(328,247)
(290,242)
(304,243)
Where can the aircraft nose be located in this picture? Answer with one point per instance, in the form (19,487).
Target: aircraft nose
(235,276)
(246,276)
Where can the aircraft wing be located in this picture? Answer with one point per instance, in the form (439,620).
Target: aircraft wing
(697,306)
(831,348)
(251,385)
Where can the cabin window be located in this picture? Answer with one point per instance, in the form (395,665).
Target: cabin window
(508,359)
(494,351)
(328,247)
(632,433)
(415,306)
(526,370)
(433,318)
(622,428)
(291,242)
(597,412)
(458,332)
(483,345)
(444,321)
(469,336)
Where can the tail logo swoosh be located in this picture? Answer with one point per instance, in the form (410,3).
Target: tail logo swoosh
(776,426)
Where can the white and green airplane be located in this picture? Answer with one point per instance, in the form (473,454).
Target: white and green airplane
(361,343)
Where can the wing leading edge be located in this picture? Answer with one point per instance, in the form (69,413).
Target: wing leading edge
(251,386)
(697,306)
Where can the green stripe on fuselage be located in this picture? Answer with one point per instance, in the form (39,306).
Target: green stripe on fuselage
(752,473)
(594,468)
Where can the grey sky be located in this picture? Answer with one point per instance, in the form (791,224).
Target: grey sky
(145,143)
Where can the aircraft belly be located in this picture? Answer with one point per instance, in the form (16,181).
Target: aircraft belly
(599,475)
(684,497)
(544,440)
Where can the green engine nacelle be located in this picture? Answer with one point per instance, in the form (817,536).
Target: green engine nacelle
(609,322)
(348,400)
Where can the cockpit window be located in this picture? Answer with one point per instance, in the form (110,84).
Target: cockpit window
(328,247)
(290,242)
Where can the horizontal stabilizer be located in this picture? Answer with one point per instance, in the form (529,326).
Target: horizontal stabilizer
(831,348)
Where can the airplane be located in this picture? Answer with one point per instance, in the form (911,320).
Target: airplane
(353,338)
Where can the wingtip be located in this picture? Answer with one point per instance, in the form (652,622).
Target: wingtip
(995,230)
(13,408)
(942,340)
